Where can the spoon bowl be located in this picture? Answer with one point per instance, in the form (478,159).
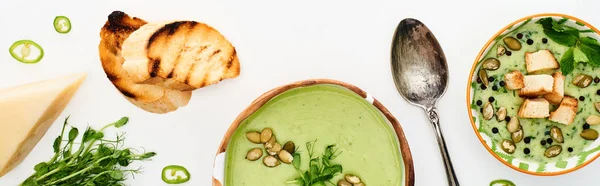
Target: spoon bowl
(420,73)
(418,64)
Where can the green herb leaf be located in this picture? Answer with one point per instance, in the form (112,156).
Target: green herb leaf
(73,134)
(559,33)
(122,122)
(56,144)
(567,64)
(591,48)
(297,161)
(332,170)
(98,135)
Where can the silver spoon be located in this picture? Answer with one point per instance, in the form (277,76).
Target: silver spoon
(421,76)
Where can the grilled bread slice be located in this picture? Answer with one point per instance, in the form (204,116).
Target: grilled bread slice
(183,55)
(150,97)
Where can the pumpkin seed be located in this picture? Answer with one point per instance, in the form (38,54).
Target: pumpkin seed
(556,134)
(269,144)
(265,135)
(501,114)
(501,50)
(483,77)
(589,134)
(290,147)
(513,125)
(582,80)
(491,64)
(508,146)
(285,156)
(512,43)
(593,120)
(517,136)
(553,151)
(488,111)
(253,137)
(597,106)
(352,178)
(271,161)
(254,154)
(275,149)
(343,182)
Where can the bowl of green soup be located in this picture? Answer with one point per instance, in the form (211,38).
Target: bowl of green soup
(314,132)
(533,94)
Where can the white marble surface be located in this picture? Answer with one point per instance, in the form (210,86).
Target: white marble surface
(278,42)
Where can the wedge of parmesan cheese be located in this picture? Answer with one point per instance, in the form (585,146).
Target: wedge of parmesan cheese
(27,113)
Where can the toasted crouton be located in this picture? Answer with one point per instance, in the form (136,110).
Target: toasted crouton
(514,80)
(539,61)
(565,113)
(534,108)
(537,85)
(558,89)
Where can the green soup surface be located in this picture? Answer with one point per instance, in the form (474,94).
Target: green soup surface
(329,114)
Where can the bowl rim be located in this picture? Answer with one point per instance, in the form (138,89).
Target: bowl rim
(470,79)
(267,96)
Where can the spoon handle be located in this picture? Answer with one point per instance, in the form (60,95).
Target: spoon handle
(435,122)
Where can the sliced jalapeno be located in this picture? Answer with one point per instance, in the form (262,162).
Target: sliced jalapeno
(62,24)
(175,174)
(23,54)
(502,183)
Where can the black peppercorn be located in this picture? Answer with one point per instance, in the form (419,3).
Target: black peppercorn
(478,80)
(483,87)
(519,35)
(549,141)
(481,109)
(570,149)
(581,98)
(491,99)
(543,142)
(478,102)
(526,150)
(494,88)
(495,130)
(598,92)
(527,140)
(544,40)
(507,118)
(586,126)
(529,41)
(502,83)
(596,80)
(491,79)
(508,53)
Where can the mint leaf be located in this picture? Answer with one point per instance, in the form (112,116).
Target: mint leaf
(567,62)
(591,48)
(559,33)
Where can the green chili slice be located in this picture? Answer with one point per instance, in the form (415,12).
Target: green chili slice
(175,174)
(502,183)
(23,55)
(62,24)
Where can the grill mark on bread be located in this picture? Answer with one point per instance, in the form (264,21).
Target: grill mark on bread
(231,58)
(126,92)
(168,30)
(154,67)
(176,61)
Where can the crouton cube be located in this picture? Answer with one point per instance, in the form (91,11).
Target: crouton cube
(534,108)
(558,89)
(536,85)
(566,111)
(514,80)
(539,61)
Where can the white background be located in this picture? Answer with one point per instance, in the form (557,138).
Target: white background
(278,42)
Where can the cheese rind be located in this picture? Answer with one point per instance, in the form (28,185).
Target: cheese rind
(27,112)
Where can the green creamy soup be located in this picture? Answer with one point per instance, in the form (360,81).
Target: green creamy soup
(536,137)
(329,114)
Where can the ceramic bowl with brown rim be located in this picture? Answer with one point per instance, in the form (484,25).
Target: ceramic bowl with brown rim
(530,93)
(346,130)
